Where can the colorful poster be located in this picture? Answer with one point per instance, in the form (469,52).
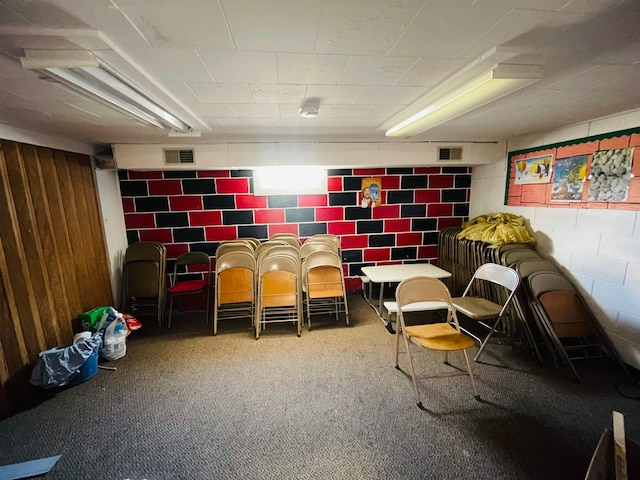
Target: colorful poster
(610,174)
(568,178)
(370,195)
(533,170)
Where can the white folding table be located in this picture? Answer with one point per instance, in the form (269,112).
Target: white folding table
(395,274)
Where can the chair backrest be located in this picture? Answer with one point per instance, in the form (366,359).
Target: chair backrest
(236,260)
(267,245)
(152,251)
(542,282)
(327,237)
(290,238)
(322,258)
(422,289)
(234,246)
(284,249)
(498,274)
(253,241)
(512,256)
(530,266)
(309,247)
(193,258)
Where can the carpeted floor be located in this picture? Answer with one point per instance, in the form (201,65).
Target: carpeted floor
(328,405)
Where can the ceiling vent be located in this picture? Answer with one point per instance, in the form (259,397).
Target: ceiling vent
(178,156)
(449,154)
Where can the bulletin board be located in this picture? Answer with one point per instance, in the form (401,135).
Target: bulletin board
(601,171)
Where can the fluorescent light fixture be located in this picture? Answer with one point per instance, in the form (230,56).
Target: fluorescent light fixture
(296,180)
(83,72)
(499,81)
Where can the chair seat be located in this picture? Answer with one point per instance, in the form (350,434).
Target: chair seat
(188,286)
(476,307)
(439,336)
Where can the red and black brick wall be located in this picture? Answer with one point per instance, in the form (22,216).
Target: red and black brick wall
(196,210)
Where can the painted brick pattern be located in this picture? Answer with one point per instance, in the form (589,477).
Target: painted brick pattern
(196,210)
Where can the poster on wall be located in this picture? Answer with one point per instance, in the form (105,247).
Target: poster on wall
(610,174)
(533,170)
(568,178)
(370,193)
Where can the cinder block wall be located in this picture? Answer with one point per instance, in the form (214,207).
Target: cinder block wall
(196,210)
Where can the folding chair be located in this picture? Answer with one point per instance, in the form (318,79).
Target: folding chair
(279,296)
(323,284)
(235,287)
(441,336)
(571,326)
(189,260)
(489,305)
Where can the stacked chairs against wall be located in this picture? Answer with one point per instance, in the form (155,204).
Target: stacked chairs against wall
(533,329)
(332,298)
(235,274)
(323,285)
(144,279)
(278,298)
(571,326)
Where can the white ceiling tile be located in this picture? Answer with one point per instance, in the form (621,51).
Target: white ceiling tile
(335,95)
(364,28)
(428,72)
(343,111)
(273,26)
(509,28)
(37,13)
(289,110)
(446,31)
(180,25)
(598,76)
(310,69)
(172,65)
(553,5)
(380,112)
(9,16)
(254,110)
(587,6)
(218,93)
(277,93)
(367,70)
(388,95)
(210,109)
(241,67)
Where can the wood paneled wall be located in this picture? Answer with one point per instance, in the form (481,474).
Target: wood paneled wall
(53,263)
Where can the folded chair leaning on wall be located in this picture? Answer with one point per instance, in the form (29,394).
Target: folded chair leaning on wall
(444,336)
(491,304)
(567,319)
(323,285)
(202,286)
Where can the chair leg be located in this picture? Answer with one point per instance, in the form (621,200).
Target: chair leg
(170,312)
(413,372)
(486,340)
(473,382)
(346,307)
(397,345)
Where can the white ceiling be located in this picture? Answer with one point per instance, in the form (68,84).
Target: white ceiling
(238,70)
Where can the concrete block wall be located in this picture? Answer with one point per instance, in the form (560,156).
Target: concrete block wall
(196,210)
(598,248)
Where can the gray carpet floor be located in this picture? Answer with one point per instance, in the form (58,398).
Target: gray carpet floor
(184,404)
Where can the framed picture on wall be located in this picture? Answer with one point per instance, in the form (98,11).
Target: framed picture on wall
(568,178)
(370,195)
(610,175)
(533,170)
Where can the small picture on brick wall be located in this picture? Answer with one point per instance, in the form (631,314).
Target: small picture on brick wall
(568,178)
(370,194)
(533,170)
(610,174)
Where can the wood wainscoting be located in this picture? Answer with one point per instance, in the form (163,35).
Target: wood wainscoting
(53,263)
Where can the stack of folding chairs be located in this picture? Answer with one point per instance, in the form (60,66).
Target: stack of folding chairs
(144,279)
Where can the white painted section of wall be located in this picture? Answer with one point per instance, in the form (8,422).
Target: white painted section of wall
(15,134)
(331,155)
(599,248)
(114,228)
